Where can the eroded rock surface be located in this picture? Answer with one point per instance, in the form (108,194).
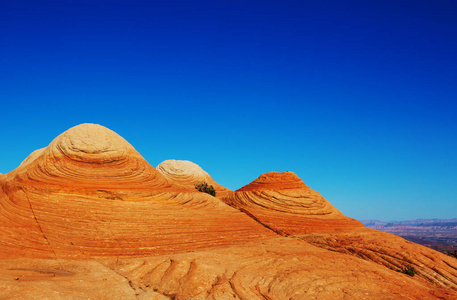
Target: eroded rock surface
(88,217)
(188,174)
(88,156)
(89,193)
(277,268)
(284,203)
(391,251)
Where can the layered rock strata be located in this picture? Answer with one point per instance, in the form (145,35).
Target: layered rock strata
(285,204)
(278,268)
(392,252)
(88,217)
(90,193)
(188,174)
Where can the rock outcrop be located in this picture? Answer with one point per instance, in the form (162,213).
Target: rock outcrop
(88,156)
(188,174)
(90,193)
(278,268)
(88,217)
(284,203)
(392,252)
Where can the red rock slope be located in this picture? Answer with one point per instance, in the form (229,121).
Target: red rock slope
(278,268)
(188,174)
(90,193)
(282,202)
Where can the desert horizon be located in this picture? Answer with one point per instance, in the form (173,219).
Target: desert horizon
(267,150)
(89,216)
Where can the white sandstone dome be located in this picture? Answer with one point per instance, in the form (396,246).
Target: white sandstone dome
(90,156)
(182,169)
(91,142)
(187,174)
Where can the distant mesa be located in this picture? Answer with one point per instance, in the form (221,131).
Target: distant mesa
(283,202)
(188,174)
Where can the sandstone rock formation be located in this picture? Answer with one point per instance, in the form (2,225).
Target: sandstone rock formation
(88,156)
(90,193)
(277,268)
(392,252)
(88,217)
(282,202)
(188,174)
(31,157)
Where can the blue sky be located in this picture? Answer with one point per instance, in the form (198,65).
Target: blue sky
(358,98)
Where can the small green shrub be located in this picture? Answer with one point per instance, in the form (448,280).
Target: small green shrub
(409,270)
(205,188)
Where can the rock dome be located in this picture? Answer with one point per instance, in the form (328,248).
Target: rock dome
(283,202)
(188,174)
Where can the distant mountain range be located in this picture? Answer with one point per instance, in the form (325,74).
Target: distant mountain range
(438,234)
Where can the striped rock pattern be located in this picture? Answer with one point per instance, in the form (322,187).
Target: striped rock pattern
(284,203)
(280,268)
(88,217)
(277,268)
(390,251)
(188,174)
(90,193)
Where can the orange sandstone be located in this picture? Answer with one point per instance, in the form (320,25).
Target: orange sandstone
(90,193)
(284,203)
(88,217)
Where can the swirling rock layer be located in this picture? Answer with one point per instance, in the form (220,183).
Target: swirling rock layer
(284,203)
(392,252)
(278,268)
(89,193)
(88,217)
(88,156)
(188,174)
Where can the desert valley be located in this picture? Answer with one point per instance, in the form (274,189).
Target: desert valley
(438,234)
(88,217)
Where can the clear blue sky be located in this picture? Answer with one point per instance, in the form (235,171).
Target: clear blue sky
(358,98)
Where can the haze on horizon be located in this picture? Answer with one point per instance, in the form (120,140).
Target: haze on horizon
(357,98)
